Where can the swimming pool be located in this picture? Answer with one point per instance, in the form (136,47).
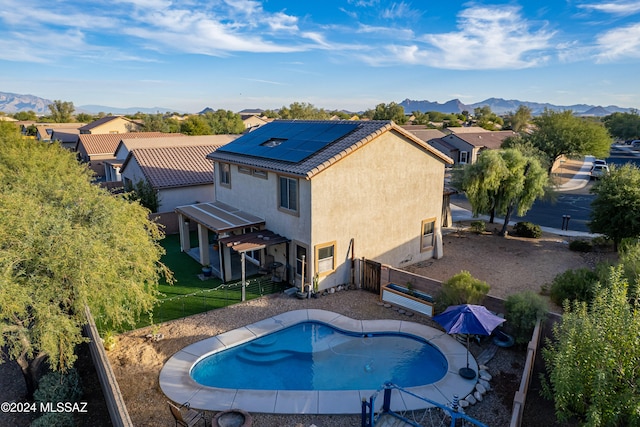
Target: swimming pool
(178,385)
(316,356)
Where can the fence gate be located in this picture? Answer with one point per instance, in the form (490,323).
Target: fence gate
(371,276)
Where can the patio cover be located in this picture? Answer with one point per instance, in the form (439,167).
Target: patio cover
(253,241)
(219,217)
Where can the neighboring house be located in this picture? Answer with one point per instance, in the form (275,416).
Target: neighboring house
(179,174)
(431,137)
(44,131)
(468,145)
(96,149)
(254,121)
(66,137)
(111,124)
(318,194)
(112,167)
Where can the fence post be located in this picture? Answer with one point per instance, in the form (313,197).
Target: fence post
(386,404)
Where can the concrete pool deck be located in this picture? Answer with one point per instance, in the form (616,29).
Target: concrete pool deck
(177,384)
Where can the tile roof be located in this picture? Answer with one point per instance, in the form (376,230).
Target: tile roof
(491,140)
(174,140)
(107,143)
(423,132)
(169,167)
(364,133)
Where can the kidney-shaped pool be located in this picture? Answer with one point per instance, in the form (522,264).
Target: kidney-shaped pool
(315,361)
(316,356)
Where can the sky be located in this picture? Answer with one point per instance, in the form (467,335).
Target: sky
(334,54)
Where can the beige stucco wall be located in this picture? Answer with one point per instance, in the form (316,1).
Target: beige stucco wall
(378,196)
(118,125)
(170,198)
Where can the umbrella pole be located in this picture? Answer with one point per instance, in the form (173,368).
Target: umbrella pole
(467,372)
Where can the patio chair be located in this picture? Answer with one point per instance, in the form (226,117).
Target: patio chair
(185,416)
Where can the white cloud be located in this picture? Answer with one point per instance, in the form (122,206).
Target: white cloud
(619,43)
(487,38)
(614,8)
(400,10)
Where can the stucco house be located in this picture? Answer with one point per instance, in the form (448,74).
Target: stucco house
(464,147)
(111,124)
(311,196)
(180,174)
(97,149)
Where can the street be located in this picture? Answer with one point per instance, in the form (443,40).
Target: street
(575,203)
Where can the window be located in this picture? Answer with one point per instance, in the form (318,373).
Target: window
(244,169)
(325,258)
(288,194)
(426,240)
(260,173)
(301,260)
(464,157)
(225,174)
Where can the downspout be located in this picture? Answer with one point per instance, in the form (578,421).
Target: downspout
(352,283)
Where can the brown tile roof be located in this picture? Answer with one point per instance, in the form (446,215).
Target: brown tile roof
(423,132)
(491,140)
(108,142)
(168,167)
(365,132)
(174,140)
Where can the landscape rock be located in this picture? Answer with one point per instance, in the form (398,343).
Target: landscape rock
(471,399)
(480,389)
(478,396)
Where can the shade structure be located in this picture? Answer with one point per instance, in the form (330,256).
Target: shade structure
(468,319)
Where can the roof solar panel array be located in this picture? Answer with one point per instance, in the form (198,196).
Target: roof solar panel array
(298,140)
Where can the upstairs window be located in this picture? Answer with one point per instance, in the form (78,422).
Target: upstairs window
(288,194)
(225,174)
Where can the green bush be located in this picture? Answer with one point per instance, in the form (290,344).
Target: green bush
(54,419)
(527,229)
(59,387)
(478,227)
(523,310)
(573,285)
(580,246)
(462,288)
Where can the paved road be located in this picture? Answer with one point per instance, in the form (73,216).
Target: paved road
(575,202)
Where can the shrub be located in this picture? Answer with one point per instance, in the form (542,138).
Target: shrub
(527,229)
(54,419)
(462,288)
(580,246)
(59,387)
(523,310)
(574,285)
(478,227)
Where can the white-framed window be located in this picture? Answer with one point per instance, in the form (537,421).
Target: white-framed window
(464,157)
(288,198)
(225,174)
(325,258)
(260,173)
(426,238)
(244,169)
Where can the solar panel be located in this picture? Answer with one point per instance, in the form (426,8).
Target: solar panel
(288,141)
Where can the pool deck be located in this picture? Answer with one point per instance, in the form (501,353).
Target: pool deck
(177,384)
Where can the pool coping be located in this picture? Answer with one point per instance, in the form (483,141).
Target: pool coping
(177,384)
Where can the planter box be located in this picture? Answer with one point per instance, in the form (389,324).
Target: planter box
(413,300)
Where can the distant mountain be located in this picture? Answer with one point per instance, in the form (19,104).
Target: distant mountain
(503,106)
(95,109)
(14,103)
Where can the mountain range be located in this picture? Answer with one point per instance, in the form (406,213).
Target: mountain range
(504,106)
(12,103)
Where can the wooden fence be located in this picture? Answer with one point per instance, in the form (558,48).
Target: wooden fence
(110,389)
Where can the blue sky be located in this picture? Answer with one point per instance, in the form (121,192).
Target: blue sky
(343,54)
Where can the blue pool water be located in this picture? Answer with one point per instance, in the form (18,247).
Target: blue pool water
(317,356)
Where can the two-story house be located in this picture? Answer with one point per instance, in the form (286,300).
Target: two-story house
(464,146)
(314,195)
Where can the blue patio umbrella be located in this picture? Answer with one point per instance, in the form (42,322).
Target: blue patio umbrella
(471,320)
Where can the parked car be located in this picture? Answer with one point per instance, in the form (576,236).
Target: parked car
(599,162)
(635,143)
(597,171)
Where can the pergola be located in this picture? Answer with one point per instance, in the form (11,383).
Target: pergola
(237,231)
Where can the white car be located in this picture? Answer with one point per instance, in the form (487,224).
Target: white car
(597,171)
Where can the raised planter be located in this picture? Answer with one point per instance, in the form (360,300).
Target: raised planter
(413,300)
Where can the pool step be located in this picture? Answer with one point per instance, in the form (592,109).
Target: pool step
(260,357)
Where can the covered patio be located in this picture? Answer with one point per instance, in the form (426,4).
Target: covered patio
(228,238)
